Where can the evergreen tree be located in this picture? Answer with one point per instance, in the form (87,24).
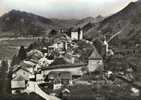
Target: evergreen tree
(22,53)
(15,60)
(30,47)
(4,76)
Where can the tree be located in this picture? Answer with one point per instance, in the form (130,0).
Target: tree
(52,33)
(22,53)
(4,76)
(15,60)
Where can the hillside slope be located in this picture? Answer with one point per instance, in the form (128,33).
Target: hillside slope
(127,21)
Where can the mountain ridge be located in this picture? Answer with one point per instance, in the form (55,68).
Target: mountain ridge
(127,20)
(21,23)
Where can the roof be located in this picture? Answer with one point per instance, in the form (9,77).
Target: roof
(95,55)
(27,64)
(59,74)
(35,54)
(59,61)
(61,37)
(20,67)
(75,29)
(72,58)
(16,67)
(53,75)
(64,66)
(20,78)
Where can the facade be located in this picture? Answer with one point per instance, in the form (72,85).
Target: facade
(39,77)
(74,35)
(95,61)
(66,78)
(18,84)
(77,34)
(26,74)
(59,79)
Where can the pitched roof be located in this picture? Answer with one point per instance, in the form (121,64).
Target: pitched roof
(27,64)
(59,74)
(95,55)
(53,75)
(20,67)
(20,78)
(64,66)
(59,61)
(35,54)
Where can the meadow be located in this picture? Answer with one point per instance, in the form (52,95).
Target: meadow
(10,46)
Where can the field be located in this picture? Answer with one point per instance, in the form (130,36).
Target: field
(10,46)
(31,96)
(84,92)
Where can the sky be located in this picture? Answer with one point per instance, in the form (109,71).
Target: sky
(65,9)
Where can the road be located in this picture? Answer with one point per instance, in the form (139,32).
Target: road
(33,87)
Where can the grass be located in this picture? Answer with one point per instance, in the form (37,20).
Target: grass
(6,51)
(8,48)
(84,92)
(31,96)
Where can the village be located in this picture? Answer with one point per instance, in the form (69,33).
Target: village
(57,65)
(64,65)
(70,49)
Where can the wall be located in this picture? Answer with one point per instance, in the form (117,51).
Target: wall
(17,84)
(81,35)
(94,64)
(74,35)
(74,71)
(21,72)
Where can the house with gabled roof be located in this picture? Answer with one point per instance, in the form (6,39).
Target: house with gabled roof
(24,72)
(21,74)
(18,84)
(95,61)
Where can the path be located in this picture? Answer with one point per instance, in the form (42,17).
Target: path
(33,87)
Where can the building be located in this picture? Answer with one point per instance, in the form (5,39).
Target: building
(21,74)
(34,55)
(54,80)
(60,43)
(77,34)
(95,61)
(74,69)
(57,79)
(66,78)
(18,85)
(25,73)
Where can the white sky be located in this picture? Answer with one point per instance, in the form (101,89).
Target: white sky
(65,8)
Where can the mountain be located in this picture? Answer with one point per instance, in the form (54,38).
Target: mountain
(86,20)
(76,23)
(23,23)
(89,25)
(123,25)
(20,23)
(65,23)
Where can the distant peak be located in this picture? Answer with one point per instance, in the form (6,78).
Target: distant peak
(99,16)
(13,10)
